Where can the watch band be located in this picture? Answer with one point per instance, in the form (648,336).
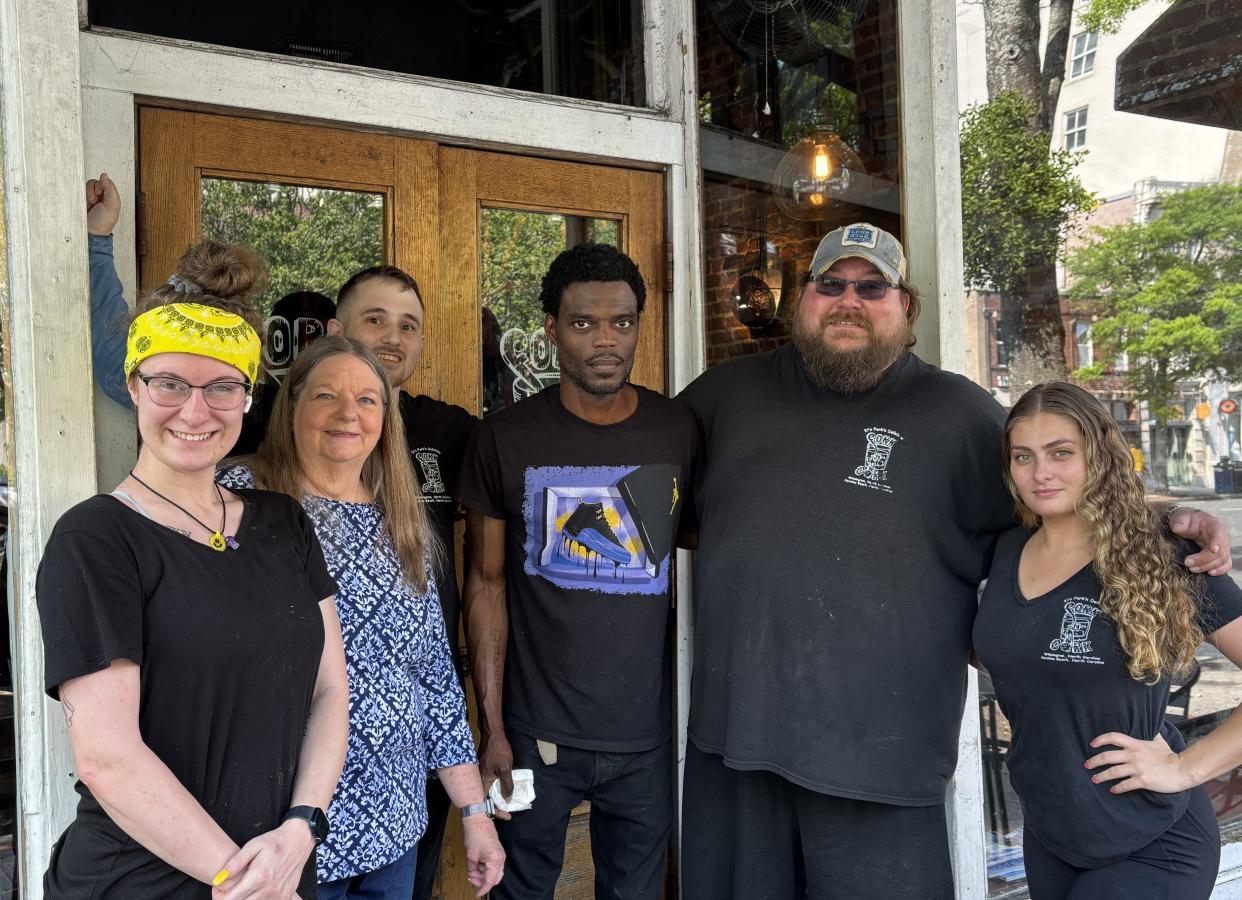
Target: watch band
(314,818)
(473,809)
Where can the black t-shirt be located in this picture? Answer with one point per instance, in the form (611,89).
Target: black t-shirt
(223,705)
(1060,675)
(842,539)
(437,433)
(591,515)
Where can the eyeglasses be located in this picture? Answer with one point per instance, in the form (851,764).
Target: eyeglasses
(866,288)
(168,390)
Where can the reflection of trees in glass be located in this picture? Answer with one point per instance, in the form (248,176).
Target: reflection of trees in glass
(517,248)
(311,238)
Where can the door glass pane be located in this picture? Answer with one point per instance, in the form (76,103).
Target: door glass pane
(592,49)
(517,247)
(311,238)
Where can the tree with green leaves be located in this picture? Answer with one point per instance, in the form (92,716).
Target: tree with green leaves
(1168,297)
(311,238)
(1018,200)
(1026,54)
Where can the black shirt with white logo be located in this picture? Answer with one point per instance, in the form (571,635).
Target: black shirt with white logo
(1060,675)
(591,514)
(437,433)
(842,539)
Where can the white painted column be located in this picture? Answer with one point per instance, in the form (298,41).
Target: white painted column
(109,135)
(50,346)
(671,83)
(932,204)
(931,175)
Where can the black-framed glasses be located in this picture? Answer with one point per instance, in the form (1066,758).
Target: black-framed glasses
(169,390)
(866,288)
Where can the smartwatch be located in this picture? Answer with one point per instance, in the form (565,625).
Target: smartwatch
(486,807)
(313,816)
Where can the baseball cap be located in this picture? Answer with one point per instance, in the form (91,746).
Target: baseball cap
(863,240)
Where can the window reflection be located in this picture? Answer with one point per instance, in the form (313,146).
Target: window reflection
(517,247)
(799,135)
(312,240)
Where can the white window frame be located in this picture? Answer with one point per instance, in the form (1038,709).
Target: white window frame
(1082,55)
(1083,342)
(1075,122)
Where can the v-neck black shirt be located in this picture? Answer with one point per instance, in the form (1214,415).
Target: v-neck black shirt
(1060,676)
(228,645)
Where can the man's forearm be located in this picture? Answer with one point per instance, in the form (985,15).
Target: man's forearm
(487,632)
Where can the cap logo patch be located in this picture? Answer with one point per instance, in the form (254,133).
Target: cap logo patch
(860,236)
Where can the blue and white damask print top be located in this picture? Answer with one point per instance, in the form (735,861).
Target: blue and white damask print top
(407,713)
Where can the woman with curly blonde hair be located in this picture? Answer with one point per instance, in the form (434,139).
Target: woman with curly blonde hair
(1087,615)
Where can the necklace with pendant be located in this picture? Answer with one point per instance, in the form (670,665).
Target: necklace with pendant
(218,540)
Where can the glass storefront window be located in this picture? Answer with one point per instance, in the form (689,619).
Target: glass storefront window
(590,49)
(312,239)
(517,247)
(799,135)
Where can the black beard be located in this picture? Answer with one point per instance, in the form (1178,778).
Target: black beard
(846,371)
(596,389)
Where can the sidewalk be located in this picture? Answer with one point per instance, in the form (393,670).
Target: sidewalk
(1180,494)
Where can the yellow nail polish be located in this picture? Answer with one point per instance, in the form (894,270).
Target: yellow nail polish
(221,877)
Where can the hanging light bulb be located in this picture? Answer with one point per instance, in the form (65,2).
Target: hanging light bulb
(817,169)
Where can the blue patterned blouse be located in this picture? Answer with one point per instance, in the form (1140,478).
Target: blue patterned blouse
(407,713)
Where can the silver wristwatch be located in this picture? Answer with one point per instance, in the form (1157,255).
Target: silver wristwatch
(486,807)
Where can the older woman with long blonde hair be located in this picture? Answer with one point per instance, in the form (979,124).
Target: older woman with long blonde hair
(1087,614)
(335,441)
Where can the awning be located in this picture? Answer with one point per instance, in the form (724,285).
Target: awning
(1186,66)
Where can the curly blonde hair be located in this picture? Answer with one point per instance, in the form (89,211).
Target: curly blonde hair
(1145,591)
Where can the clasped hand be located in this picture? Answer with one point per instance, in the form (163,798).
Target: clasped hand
(1141,765)
(269,866)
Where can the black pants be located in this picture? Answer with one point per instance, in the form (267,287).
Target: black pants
(631,798)
(1181,864)
(430,844)
(753,835)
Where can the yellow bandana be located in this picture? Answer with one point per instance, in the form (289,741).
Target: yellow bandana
(194,328)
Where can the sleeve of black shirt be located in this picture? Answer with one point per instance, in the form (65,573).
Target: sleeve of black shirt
(480,486)
(1219,600)
(316,569)
(90,601)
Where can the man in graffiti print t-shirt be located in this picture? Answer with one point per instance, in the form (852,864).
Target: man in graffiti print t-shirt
(573,500)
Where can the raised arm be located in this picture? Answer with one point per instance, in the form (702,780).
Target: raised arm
(487,635)
(109,313)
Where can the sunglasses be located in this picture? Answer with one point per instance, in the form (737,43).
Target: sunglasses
(866,288)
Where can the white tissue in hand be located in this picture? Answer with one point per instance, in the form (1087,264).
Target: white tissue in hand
(523,792)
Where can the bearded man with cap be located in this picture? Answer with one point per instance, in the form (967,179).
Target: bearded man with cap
(848,498)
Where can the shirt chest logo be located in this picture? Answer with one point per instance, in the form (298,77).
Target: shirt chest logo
(878,452)
(432,482)
(1073,644)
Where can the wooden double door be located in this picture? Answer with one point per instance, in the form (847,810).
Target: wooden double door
(475,228)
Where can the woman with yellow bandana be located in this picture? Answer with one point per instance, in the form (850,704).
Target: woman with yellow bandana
(191,634)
